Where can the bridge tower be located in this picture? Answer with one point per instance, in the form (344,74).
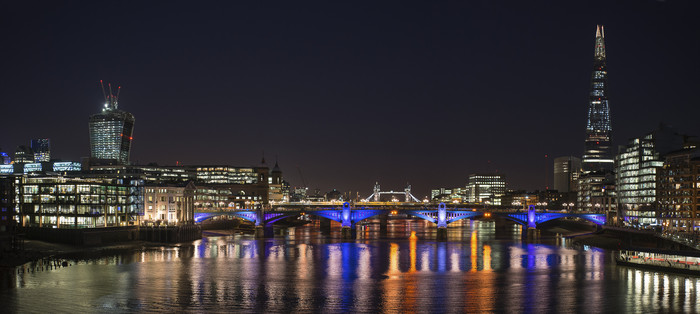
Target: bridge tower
(377,193)
(407,191)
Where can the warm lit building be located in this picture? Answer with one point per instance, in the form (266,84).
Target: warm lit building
(679,191)
(168,204)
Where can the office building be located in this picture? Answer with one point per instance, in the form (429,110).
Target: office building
(111,133)
(168,204)
(679,191)
(636,173)
(57,201)
(23,154)
(41,147)
(566,172)
(598,154)
(486,187)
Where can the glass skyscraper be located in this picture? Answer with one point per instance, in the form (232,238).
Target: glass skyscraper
(111,133)
(598,155)
(42,149)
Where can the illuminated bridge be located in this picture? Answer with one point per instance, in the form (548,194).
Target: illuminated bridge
(349,216)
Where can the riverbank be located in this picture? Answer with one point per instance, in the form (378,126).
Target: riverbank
(35,250)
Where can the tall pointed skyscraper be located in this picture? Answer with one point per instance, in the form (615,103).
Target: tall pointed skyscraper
(598,154)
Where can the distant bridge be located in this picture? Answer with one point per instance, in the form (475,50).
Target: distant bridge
(348,216)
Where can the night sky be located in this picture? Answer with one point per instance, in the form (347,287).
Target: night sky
(348,92)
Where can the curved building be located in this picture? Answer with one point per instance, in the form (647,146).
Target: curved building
(111,132)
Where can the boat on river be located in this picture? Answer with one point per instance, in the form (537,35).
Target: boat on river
(661,260)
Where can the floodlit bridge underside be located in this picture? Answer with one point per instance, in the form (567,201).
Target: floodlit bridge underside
(441,216)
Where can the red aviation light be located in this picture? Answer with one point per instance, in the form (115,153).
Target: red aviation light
(131,138)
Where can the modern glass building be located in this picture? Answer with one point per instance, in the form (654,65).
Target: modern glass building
(637,169)
(67,202)
(598,155)
(483,187)
(111,133)
(42,149)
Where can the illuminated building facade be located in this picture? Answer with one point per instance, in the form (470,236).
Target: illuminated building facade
(64,202)
(637,168)
(566,172)
(168,204)
(596,192)
(598,155)
(41,147)
(483,187)
(111,133)
(679,191)
(23,154)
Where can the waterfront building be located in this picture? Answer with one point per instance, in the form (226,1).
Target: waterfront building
(596,192)
(482,187)
(566,171)
(598,154)
(23,154)
(41,147)
(679,190)
(168,204)
(111,133)
(7,208)
(57,201)
(636,173)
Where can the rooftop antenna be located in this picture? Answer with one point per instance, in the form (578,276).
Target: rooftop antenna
(119,89)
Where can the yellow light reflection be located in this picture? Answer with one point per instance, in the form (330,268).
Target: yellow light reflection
(487,257)
(474,254)
(393,258)
(412,251)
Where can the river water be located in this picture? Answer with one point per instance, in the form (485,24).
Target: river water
(479,269)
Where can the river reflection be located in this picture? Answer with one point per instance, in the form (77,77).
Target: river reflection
(478,270)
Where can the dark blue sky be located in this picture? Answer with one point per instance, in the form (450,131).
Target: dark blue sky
(348,92)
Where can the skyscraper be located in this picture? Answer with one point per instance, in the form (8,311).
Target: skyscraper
(566,172)
(598,155)
(111,132)
(42,149)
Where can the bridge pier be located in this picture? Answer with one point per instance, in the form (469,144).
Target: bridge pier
(442,233)
(348,233)
(383,225)
(264,232)
(442,222)
(325,225)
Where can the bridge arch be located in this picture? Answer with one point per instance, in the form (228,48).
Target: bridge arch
(522,218)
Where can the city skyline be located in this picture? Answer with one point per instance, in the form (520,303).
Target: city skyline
(415,111)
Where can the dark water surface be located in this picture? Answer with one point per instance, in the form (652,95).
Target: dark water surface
(478,270)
